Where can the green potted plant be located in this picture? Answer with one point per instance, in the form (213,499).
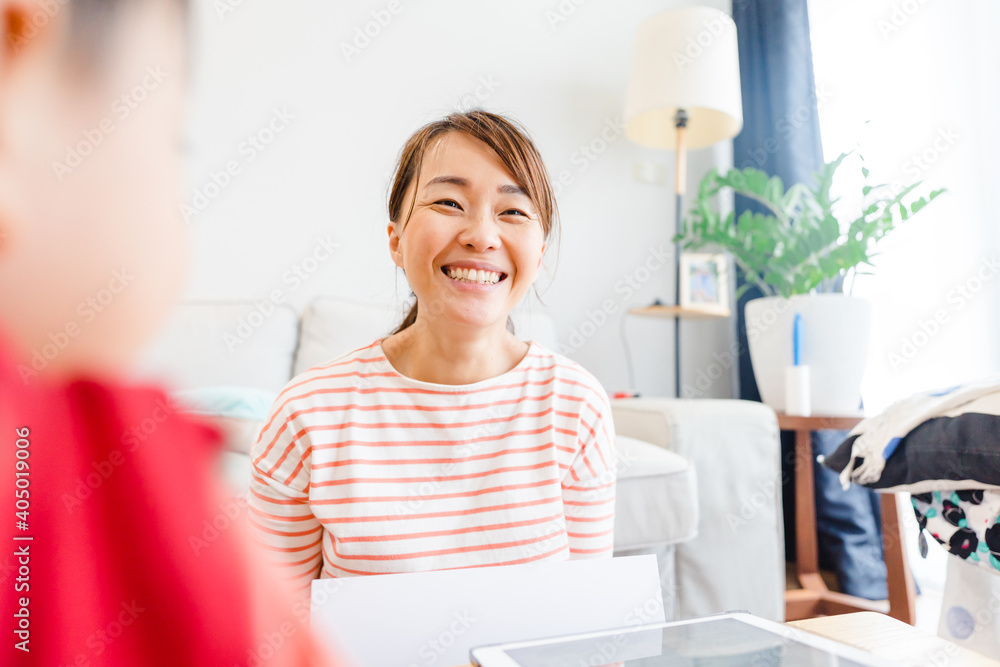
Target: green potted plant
(789,250)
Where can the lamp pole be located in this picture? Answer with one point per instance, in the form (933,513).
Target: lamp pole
(664,100)
(680,185)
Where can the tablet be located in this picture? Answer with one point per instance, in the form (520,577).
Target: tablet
(734,639)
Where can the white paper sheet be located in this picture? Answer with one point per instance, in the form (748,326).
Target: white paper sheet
(433,619)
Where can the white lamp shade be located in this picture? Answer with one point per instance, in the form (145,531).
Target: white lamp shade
(684,59)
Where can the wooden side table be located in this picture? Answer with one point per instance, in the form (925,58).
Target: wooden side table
(814,598)
(888,638)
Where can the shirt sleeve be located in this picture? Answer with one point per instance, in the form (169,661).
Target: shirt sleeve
(281,519)
(588,487)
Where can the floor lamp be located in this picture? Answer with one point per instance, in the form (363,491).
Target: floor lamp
(683,93)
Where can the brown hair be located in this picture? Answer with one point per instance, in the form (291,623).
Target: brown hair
(508,139)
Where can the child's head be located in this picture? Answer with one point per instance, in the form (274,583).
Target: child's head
(470,192)
(91,247)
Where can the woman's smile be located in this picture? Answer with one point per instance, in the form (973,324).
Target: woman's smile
(474,274)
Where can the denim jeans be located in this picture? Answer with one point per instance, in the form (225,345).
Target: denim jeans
(848,523)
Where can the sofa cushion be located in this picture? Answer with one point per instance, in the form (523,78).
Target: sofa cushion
(334,326)
(238,412)
(208,344)
(248,403)
(656,501)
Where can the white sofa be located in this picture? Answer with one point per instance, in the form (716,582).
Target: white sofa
(707,565)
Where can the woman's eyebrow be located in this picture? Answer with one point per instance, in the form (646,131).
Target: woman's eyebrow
(509,189)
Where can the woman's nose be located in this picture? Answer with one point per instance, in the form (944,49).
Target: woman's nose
(482,232)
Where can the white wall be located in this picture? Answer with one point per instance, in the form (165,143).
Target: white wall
(559,68)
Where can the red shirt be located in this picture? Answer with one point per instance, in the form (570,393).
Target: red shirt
(119,549)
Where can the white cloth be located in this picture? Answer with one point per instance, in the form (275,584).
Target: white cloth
(878,436)
(970,610)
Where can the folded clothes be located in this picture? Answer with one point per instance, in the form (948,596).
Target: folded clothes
(940,440)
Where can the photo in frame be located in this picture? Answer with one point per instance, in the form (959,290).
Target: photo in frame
(705,282)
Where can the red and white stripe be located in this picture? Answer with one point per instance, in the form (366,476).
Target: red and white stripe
(361,470)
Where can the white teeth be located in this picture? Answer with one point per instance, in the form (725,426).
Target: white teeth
(479,276)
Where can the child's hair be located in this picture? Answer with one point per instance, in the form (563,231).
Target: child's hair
(91,20)
(508,139)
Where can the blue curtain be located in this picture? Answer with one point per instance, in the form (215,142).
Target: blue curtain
(781,136)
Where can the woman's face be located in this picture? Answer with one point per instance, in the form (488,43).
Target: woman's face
(474,243)
(92,249)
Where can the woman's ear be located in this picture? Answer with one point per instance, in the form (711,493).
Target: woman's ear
(541,256)
(395,250)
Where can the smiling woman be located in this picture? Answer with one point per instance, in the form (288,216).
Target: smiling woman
(450,443)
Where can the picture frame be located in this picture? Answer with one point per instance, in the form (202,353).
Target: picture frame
(705,282)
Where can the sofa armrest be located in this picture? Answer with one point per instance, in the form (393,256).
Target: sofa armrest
(737,561)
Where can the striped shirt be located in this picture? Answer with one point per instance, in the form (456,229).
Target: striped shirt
(362,470)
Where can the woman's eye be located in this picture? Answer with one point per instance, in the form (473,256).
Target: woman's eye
(514,210)
(448,202)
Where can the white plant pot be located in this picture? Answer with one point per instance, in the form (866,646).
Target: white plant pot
(835,334)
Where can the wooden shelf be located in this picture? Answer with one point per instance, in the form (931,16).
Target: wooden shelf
(819,422)
(680,312)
